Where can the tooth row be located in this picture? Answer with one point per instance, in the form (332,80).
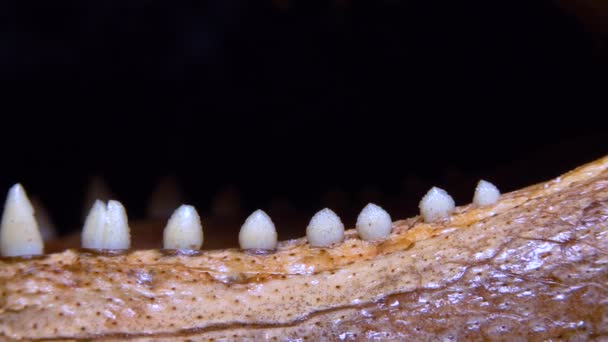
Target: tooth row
(106,226)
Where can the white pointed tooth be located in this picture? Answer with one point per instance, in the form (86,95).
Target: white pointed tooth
(486,193)
(19,233)
(119,233)
(106,227)
(258,232)
(94,226)
(374,223)
(436,204)
(324,229)
(184,229)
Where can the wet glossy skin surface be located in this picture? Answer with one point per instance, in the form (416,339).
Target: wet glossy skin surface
(532,267)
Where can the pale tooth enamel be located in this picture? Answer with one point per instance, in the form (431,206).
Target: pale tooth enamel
(325,228)
(486,193)
(106,227)
(93,230)
(184,229)
(374,223)
(258,232)
(19,233)
(117,226)
(436,204)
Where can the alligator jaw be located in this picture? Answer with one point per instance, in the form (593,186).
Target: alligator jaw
(534,265)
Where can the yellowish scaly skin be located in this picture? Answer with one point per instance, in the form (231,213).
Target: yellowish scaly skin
(532,266)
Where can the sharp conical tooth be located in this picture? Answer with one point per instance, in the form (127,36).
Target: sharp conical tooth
(117,226)
(258,232)
(19,233)
(325,228)
(436,204)
(184,229)
(374,223)
(106,227)
(94,226)
(165,199)
(486,193)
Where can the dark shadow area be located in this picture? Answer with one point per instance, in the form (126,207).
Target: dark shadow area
(294,107)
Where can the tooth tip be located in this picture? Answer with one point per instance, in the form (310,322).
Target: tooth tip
(186,209)
(16,187)
(19,231)
(184,229)
(325,228)
(374,223)
(114,203)
(258,232)
(436,204)
(260,213)
(16,191)
(437,190)
(486,193)
(372,206)
(97,189)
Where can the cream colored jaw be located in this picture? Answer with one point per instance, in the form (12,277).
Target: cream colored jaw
(106,226)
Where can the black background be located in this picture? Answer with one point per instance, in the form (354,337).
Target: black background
(292,101)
